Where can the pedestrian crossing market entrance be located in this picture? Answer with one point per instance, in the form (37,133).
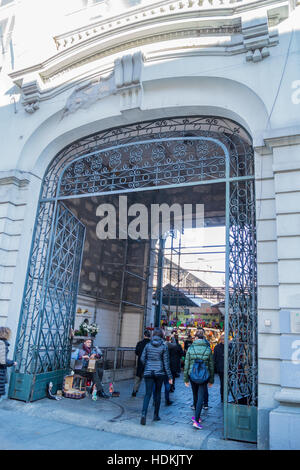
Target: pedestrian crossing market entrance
(189,160)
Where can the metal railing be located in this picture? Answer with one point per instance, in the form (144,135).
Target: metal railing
(125,357)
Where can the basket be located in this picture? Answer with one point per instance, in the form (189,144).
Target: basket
(74,386)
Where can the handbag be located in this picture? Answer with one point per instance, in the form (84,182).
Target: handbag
(199,373)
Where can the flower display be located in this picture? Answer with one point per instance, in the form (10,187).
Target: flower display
(87,330)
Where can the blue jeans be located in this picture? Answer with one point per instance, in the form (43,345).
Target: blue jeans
(167,390)
(151,382)
(198,396)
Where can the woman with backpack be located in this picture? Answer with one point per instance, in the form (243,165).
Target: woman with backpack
(199,371)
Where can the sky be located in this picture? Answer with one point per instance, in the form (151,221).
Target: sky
(209,258)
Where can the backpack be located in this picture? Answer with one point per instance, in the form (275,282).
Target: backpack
(199,373)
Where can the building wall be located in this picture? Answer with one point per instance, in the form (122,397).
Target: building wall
(107,318)
(183,79)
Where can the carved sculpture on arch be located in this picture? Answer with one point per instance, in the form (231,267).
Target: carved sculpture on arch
(125,80)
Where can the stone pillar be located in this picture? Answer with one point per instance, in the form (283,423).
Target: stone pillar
(285,418)
(267,277)
(19,192)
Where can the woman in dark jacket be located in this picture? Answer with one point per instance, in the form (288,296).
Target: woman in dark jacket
(4,361)
(155,358)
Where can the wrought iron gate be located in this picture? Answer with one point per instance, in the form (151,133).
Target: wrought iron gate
(156,154)
(240,397)
(44,343)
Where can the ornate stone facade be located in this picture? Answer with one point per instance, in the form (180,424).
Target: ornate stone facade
(72,74)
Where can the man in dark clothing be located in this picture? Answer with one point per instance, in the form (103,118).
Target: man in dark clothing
(188,342)
(140,367)
(219,363)
(175,355)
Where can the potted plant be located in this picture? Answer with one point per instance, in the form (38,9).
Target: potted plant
(93,329)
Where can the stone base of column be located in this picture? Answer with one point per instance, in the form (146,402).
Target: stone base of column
(285,421)
(263,431)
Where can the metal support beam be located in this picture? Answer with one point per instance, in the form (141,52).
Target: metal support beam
(159,292)
(120,316)
(136,275)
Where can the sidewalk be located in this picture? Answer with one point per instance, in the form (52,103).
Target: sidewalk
(122,416)
(19,431)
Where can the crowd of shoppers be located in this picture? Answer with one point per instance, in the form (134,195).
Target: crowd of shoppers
(159,363)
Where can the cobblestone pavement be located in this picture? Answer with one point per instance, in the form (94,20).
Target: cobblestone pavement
(180,412)
(121,416)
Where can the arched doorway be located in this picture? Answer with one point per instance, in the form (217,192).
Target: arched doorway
(161,154)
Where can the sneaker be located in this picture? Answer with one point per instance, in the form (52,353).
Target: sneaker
(197,425)
(193,407)
(205,407)
(194,420)
(168,403)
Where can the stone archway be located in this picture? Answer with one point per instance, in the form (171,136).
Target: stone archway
(156,154)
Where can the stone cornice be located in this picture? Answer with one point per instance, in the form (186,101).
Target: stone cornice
(288,396)
(162,11)
(278,138)
(282,137)
(180,28)
(14,177)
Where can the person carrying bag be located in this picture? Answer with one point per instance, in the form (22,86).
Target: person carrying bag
(198,370)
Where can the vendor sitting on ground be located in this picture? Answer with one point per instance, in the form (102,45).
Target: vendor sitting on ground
(82,357)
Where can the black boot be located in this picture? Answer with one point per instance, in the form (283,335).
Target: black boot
(102,394)
(143,418)
(156,417)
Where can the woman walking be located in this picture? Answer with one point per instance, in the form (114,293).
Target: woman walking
(4,361)
(199,350)
(155,358)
